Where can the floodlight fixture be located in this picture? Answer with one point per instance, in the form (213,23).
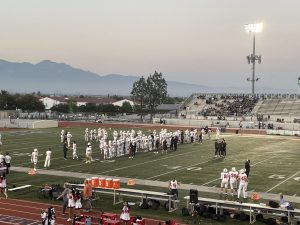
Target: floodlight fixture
(254,27)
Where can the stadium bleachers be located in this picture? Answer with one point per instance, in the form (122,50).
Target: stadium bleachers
(240,105)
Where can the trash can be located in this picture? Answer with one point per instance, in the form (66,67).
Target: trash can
(237,131)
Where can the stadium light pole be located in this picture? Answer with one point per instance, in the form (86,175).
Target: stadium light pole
(253,28)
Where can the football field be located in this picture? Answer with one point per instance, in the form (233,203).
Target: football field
(274,159)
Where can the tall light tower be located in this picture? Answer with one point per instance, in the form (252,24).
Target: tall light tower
(253,28)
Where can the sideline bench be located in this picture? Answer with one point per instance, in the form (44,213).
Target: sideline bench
(142,194)
(19,188)
(251,208)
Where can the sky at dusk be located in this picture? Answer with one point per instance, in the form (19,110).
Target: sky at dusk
(193,41)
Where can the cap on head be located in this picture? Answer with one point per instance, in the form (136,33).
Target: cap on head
(233,169)
(242,171)
(35,150)
(225,170)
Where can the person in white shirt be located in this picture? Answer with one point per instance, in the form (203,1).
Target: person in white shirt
(88,153)
(3,186)
(218,132)
(86,134)
(1,157)
(62,136)
(74,147)
(48,158)
(173,185)
(243,184)
(7,159)
(233,176)
(69,136)
(224,181)
(34,158)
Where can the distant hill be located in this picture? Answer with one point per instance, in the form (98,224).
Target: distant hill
(51,77)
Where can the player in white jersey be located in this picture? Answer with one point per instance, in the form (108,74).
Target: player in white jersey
(62,136)
(105,151)
(34,158)
(101,145)
(86,134)
(91,135)
(48,158)
(218,132)
(243,184)
(233,176)
(224,181)
(69,136)
(88,153)
(74,148)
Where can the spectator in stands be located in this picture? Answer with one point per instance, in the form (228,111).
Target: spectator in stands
(125,215)
(87,196)
(3,186)
(7,159)
(64,195)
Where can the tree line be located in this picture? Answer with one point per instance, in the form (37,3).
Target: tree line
(148,93)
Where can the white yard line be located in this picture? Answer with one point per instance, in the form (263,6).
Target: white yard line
(181,169)
(282,182)
(138,164)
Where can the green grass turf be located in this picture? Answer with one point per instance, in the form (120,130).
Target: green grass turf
(191,164)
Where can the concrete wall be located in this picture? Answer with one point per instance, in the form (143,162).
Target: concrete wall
(28,124)
(227,123)
(45,124)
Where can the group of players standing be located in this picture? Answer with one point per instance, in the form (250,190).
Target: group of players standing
(233,177)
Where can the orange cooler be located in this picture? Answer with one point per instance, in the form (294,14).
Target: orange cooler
(95,181)
(116,183)
(108,183)
(101,182)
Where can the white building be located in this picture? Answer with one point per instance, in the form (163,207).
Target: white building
(120,103)
(49,102)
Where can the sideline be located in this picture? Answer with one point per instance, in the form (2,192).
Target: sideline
(155,183)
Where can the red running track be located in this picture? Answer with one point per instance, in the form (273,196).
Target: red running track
(28,213)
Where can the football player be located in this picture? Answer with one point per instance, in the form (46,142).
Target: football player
(88,153)
(74,148)
(243,179)
(34,158)
(224,181)
(48,158)
(233,176)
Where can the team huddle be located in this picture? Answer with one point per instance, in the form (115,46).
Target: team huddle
(231,179)
(122,143)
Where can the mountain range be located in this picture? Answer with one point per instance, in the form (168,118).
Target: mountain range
(50,77)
